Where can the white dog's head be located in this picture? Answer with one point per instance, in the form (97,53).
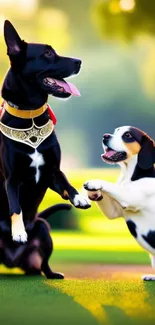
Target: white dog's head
(125,142)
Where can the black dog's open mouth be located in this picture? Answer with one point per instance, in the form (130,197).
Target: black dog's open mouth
(112,157)
(61,86)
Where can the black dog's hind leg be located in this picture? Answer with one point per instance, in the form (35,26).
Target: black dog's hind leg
(45,249)
(31,259)
(49,273)
(48,248)
(32,272)
(1,249)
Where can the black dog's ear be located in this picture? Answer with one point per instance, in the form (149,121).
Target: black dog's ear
(146,156)
(12,39)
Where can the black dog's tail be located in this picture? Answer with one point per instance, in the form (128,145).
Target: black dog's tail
(55,208)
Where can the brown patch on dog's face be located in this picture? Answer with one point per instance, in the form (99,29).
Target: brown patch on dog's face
(133,141)
(133,148)
(141,144)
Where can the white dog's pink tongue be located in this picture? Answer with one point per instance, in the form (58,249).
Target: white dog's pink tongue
(68,86)
(108,154)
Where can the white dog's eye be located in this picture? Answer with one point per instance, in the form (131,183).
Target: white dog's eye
(127,135)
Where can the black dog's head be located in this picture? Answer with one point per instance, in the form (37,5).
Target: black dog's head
(38,66)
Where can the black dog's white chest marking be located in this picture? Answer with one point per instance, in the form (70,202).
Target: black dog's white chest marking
(37,161)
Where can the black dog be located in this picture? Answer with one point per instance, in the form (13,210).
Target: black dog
(30,152)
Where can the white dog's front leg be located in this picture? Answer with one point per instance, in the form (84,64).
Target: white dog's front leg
(128,196)
(110,208)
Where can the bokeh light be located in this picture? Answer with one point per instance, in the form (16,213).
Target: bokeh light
(127,5)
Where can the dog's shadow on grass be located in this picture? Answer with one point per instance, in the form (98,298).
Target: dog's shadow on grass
(12,275)
(19,277)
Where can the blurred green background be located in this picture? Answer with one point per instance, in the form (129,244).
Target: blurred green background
(116,41)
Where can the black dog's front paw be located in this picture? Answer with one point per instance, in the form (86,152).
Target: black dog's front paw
(81,202)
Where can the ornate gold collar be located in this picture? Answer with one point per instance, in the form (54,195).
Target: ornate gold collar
(33,136)
(15,111)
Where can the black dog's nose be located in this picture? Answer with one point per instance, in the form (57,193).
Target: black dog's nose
(106,137)
(77,63)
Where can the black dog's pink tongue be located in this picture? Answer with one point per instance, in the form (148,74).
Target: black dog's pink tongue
(68,86)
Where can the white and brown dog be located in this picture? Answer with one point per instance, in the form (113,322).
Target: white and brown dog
(133,196)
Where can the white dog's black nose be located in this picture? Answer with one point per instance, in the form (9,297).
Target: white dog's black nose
(106,138)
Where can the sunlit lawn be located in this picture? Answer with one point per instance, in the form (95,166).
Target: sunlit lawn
(73,301)
(39,301)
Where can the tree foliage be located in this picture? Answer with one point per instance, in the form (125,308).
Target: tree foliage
(124,19)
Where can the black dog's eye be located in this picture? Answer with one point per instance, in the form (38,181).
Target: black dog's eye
(127,135)
(48,53)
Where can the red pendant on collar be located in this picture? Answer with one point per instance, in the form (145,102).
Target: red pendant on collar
(1,108)
(50,112)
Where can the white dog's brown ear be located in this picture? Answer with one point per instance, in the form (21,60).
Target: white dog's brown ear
(146,156)
(12,39)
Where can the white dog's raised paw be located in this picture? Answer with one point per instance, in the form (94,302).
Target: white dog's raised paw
(148,277)
(81,202)
(95,195)
(93,185)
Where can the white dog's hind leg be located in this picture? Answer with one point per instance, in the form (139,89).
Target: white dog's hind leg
(150,277)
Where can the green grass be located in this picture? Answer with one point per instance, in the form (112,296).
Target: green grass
(117,301)
(37,301)
(101,257)
(40,301)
